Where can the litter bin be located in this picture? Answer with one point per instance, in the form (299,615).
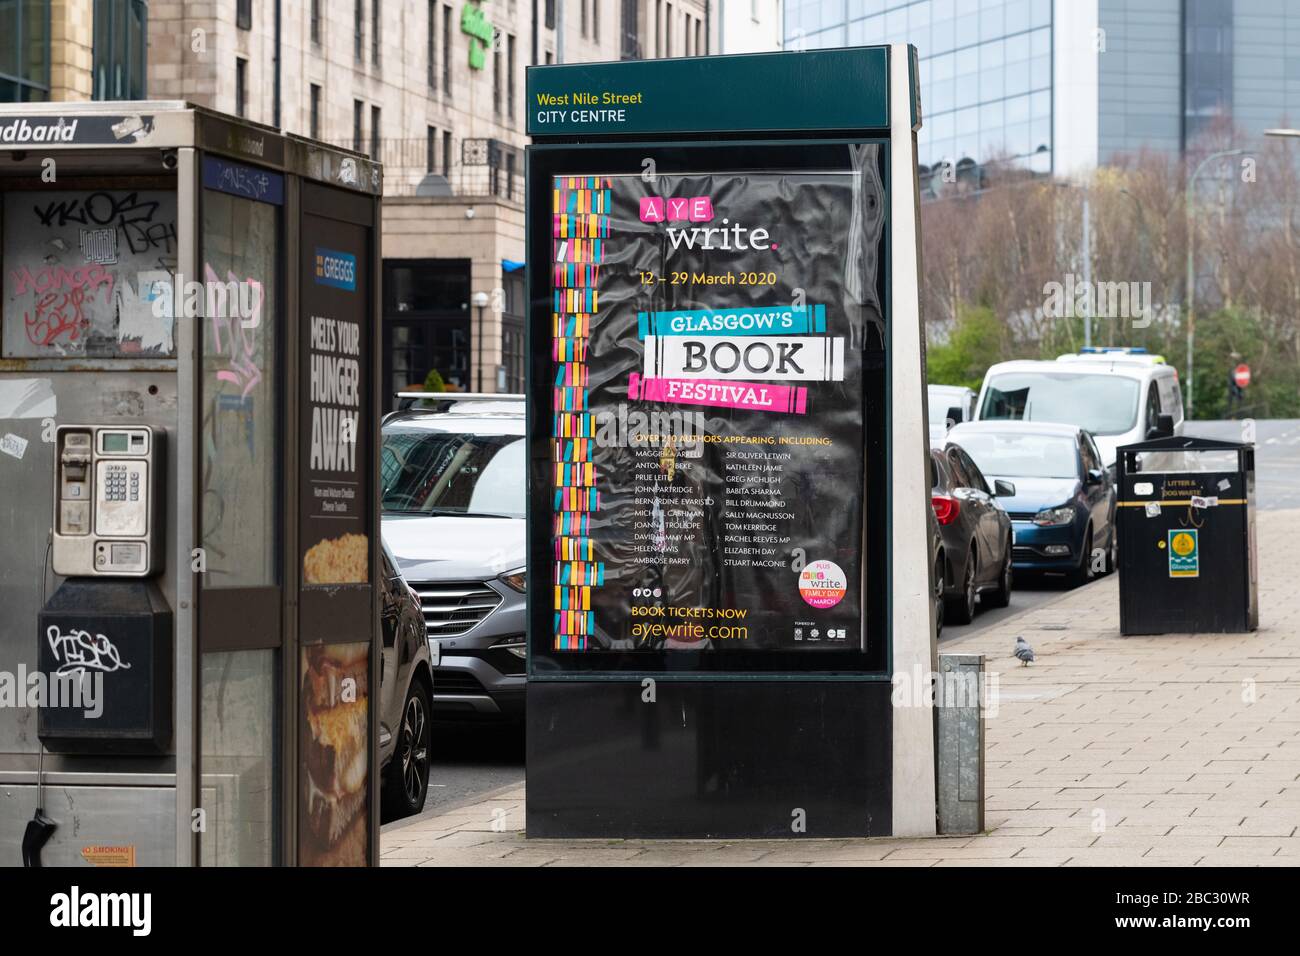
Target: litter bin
(1186,522)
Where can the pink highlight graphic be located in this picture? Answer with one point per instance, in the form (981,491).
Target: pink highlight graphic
(759,396)
(676,209)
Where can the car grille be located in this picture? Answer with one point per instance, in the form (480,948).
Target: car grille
(453,607)
(456,682)
(1022,515)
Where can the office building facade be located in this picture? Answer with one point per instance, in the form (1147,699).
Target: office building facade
(1060,86)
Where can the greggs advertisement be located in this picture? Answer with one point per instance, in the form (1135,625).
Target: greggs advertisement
(707,339)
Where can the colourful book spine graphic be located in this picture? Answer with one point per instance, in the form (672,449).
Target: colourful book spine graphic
(581,223)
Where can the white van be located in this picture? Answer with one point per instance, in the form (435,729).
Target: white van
(942,399)
(1120,396)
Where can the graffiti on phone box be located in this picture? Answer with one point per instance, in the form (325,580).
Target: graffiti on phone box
(133,216)
(244,181)
(78,651)
(237,341)
(61,294)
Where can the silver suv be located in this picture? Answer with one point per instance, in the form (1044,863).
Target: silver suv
(453,480)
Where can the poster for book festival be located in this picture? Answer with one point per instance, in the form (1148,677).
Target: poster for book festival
(708,335)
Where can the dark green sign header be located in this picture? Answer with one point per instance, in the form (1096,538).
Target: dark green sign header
(838,89)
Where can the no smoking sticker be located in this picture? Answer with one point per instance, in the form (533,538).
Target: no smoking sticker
(822,584)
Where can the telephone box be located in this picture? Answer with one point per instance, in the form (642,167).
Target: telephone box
(188,348)
(730,601)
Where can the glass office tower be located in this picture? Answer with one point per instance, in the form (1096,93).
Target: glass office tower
(986,68)
(1060,86)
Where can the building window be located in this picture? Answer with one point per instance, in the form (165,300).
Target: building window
(427,323)
(374,133)
(241,86)
(359,29)
(550,14)
(24,51)
(1207,67)
(374,32)
(358,115)
(430,145)
(244,14)
(699,46)
(583,17)
(689,34)
(595,19)
(446,48)
(496,81)
(315,22)
(510,75)
(512,354)
(630,44)
(432,46)
(659,28)
(120,49)
(315,111)
(446,154)
(668,29)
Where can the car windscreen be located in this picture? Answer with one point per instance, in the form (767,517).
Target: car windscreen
(1022,456)
(1102,404)
(425,471)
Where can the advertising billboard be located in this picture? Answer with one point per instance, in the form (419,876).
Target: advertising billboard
(335,487)
(708,445)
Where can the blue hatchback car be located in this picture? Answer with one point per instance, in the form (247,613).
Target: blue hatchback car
(1063,511)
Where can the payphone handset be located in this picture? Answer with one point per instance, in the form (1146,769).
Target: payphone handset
(107,498)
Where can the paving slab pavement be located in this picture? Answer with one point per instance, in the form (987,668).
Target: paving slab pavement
(1178,750)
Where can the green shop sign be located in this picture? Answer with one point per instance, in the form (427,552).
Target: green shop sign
(474,22)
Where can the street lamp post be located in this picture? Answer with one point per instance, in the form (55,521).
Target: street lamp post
(1191,273)
(480,300)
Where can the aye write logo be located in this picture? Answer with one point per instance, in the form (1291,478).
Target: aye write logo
(727,237)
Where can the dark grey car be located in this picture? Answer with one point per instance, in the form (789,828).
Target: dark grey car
(405,697)
(976,531)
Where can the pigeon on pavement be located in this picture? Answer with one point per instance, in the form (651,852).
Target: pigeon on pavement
(1023,651)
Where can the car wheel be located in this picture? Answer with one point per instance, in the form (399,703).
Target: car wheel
(1084,572)
(407,784)
(1001,595)
(962,608)
(1112,553)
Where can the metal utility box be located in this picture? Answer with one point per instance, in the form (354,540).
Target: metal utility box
(1186,524)
(190,496)
(125,680)
(728,554)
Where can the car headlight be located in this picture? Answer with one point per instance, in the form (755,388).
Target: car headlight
(1054,517)
(516,580)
